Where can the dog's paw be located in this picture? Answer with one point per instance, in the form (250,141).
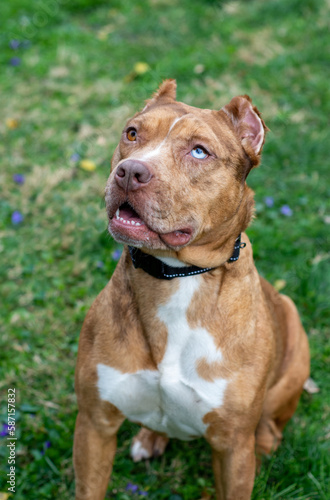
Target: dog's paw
(147,444)
(138,452)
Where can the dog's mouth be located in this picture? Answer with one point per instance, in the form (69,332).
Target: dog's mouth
(126,214)
(128,226)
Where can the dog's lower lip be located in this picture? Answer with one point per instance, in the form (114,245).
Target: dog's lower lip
(127,221)
(177,238)
(141,232)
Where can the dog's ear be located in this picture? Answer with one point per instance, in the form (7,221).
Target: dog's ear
(166,92)
(248,125)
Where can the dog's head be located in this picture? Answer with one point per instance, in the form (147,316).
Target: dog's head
(177,184)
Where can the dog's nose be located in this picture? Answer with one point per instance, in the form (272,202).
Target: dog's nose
(132,175)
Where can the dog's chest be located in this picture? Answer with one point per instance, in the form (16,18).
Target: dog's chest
(174,398)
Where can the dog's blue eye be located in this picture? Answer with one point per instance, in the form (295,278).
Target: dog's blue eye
(198,153)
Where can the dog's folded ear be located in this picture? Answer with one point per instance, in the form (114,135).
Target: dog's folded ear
(165,93)
(248,125)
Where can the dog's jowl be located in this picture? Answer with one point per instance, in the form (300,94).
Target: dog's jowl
(186,339)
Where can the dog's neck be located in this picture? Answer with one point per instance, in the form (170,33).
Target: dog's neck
(160,269)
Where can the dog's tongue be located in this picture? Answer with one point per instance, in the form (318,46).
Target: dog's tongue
(176,238)
(127,213)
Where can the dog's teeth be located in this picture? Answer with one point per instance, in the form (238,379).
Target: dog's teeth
(126,221)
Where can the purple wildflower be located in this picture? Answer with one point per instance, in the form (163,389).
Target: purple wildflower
(143,493)
(19,178)
(75,157)
(286,210)
(269,201)
(15,61)
(4,430)
(14,44)
(132,487)
(17,217)
(99,264)
(116,254)
(47,445)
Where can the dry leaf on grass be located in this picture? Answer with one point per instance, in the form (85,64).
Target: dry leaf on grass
(311,387)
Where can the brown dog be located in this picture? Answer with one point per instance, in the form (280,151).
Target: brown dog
(186,338)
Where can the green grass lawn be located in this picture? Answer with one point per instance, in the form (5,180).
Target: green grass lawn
(68,82)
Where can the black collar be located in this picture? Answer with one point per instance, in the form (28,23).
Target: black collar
(160,270)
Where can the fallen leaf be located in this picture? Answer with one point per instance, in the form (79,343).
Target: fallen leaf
(4,496)
(105,31)
(37,359)
(59,72)
(311,387)
(318,258)
(12,123)
(101,141)
(141,67)
(199,68)
(279,284)
(87,165)
(21,348)
(49,404)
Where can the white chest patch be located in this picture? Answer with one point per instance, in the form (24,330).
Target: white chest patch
(174,398)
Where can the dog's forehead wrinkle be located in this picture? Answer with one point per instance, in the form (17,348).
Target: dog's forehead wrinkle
(194,125)
(151,149)
(157,118)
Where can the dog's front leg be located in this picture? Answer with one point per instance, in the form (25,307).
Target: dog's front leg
(93,456)
(234,470)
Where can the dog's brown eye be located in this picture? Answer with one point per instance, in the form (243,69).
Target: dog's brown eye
(132,134)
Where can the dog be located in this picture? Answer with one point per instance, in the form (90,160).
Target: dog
(186,339)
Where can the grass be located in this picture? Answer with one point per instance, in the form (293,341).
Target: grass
(65,99)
